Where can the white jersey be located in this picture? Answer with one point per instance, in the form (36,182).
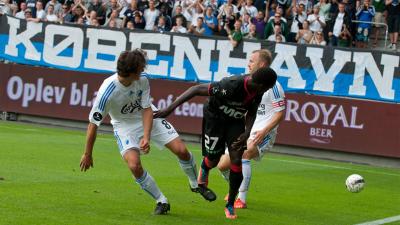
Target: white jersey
(272,102)
(123,104)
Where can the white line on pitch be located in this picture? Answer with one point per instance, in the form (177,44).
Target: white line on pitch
(382,221)
(336,167)
(20,128)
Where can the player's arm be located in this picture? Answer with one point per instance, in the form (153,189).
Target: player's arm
(197,90)
(277,98)
(87,159)
(147,125)
(250,118)
(99,111)
(240,143)
(275,120)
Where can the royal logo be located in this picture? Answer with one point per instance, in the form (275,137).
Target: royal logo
(325,114)
(321,117)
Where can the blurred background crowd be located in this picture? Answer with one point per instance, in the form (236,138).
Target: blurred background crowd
(345,23)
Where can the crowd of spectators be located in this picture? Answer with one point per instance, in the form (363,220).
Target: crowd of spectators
(342,23)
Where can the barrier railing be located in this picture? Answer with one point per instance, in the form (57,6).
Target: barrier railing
(375,23)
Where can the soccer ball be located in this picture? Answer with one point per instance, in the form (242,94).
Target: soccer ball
(355,183)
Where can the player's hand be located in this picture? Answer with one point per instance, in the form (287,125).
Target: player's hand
(240,143)
(258,137)
(161,113)
(144,145)
(86,162)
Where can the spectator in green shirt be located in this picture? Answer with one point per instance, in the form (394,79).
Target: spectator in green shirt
(277,20)
(236,35)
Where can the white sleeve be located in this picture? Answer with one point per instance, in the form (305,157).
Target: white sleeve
(101,105)
(278,98)
(146,103)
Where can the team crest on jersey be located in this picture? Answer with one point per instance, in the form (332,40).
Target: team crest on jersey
(97,116)
(131,107)
(215,90)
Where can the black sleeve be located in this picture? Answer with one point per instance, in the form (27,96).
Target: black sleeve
(222,88)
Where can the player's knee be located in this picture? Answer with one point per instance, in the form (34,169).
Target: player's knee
(179,149)
(250,153)
(136,168)
(223,163)
(246,155)
(182,153)
(251,146)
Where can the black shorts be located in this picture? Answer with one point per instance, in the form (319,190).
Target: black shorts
(393,23)
(217,134)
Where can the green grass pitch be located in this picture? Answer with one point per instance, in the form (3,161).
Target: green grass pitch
(40,183)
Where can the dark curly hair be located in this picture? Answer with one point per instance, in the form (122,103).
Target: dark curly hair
(265,76)
(131,62)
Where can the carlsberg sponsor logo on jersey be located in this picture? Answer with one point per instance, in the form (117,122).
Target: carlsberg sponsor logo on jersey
(231,112)
(129,108)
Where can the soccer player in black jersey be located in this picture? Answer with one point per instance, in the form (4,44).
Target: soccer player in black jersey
(229,114)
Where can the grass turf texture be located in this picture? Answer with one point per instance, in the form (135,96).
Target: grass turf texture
(42,184)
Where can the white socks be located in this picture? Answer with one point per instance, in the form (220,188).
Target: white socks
(189,167)
(244,186)
(149,185)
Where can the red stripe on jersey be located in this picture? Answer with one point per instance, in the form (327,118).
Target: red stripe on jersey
(249,96)
(279,104)
(209,88)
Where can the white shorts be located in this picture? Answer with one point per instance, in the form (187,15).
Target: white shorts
(265,145)
(129,137)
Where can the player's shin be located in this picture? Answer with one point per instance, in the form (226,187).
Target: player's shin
(235,179)
(203,172)
(244,187)
(189,167)
(147,183)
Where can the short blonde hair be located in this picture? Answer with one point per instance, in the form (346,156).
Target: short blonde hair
(264,56)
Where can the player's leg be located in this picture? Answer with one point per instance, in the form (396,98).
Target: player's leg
(163,133)
(213,145)
(224,168)
(128,144)
(234,130)
(186,160)
(250,153)
(188,165)
(224,165)
(255,152)
(146,181)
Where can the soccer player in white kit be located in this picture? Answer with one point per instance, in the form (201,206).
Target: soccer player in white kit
(125,96)
(270,113)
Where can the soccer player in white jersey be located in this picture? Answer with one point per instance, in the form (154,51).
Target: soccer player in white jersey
(262,136)
(125,96)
